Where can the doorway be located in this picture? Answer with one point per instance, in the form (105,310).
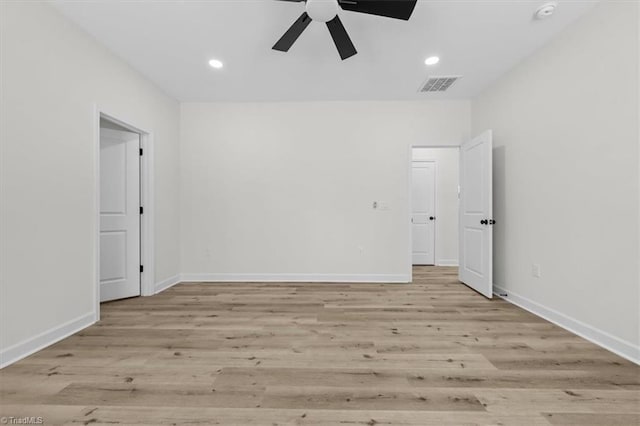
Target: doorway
(469,209)
(120,211)
(124,213)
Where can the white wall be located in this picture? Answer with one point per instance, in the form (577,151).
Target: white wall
(51,74)
(285,190)
(447,178)
(566,190)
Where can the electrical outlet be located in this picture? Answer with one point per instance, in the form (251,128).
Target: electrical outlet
(535,270)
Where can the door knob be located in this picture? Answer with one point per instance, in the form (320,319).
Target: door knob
(432,218)
(484,222)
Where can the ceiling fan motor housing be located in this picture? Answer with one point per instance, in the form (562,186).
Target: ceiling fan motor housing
(322,10)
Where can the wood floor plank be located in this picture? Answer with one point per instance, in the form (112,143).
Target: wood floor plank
(109,415)
(334,398)
(149,395)
(593,419)
(432,352)
(559,401)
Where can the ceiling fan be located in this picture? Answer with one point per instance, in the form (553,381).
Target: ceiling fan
(327,11)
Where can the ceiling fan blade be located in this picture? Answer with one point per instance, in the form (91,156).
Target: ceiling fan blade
(341,38)
(399,9)
(292,34)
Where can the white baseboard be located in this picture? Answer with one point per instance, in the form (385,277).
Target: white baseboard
(27,347)
(601,338)
(447,262)
(165,284)
(329,278)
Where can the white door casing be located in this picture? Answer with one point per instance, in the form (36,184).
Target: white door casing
(423,200)
(476,214)
(119,214)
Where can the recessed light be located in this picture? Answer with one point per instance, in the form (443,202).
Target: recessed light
(432,60)
(216,64)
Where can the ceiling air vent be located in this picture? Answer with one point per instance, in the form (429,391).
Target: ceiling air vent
(439,84)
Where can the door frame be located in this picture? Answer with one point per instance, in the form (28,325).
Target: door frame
(409,197)
(147,243)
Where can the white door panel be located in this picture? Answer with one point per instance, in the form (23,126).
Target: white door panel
(112,267)
(423,212)
(113,175)
(420,245)
(420,219)
(119,214)
(476,214)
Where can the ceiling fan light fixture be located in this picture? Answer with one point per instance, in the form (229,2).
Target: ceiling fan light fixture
(322,10)
(431,60)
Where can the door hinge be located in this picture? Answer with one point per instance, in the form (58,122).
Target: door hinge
(141,210)
(141,268)
(141,151)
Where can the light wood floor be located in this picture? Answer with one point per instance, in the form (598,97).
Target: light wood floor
(430,353)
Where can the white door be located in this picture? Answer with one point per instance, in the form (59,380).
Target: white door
(476,214)
(423,215)
(119,214)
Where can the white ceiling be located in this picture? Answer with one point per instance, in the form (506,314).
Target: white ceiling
(171,42)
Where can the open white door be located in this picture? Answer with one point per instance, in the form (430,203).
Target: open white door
(119,214)
(476,214)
